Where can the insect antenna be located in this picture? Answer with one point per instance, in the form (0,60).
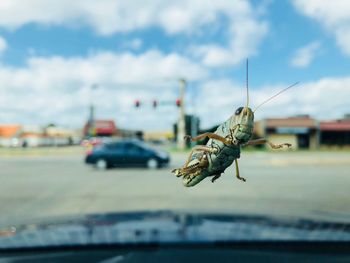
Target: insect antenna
(247,84)
(296,83)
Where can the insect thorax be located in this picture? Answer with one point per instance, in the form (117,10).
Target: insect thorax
(225,154)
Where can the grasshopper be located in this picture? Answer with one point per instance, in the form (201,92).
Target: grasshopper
(224,145)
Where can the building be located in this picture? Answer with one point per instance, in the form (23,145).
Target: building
(305,132)
(104,128)
(33,136)
(16,135)
(335,133)
(301,131)
(9,135)
(158,136)
(62,136)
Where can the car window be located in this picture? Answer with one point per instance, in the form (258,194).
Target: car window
(133,149)
(114,146)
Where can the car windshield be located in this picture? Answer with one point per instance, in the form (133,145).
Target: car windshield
(174,115)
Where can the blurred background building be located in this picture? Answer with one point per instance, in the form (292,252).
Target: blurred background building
(17,135)
(305,132)
(302,131)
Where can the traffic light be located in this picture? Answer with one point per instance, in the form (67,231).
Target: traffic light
(137,103)
(178,102)
(155,103)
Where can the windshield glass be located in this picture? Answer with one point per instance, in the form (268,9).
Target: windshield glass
(111,107)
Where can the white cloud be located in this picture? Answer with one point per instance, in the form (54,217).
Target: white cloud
(135,43)
(244,30)
(56,89)
(334,16)
(244,35)
(325,98)
(3,45)
(304,55)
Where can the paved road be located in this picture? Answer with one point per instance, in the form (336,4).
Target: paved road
(287,184)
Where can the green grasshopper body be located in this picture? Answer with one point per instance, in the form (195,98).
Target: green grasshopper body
(221,150)
(224,146)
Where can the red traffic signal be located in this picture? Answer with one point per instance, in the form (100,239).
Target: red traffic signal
(178,102)
(155,103)
(137,103)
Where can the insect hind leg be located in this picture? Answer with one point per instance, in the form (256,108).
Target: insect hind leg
(197,148)
(195,169)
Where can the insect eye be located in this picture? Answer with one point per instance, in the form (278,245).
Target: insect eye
(239,110)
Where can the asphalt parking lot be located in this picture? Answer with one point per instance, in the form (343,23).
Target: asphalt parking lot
(301,184)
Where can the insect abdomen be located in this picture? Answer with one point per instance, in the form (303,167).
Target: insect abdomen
(219,161)
(226,154)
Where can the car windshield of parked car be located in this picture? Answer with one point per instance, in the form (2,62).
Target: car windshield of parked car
(171,119)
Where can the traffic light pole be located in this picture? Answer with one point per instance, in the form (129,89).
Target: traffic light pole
(92,128)
(181,124)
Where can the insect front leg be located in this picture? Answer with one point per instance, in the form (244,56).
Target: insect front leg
(264,141)
(237,172)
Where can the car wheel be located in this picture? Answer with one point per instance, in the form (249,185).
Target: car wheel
(152,163)
(101,164)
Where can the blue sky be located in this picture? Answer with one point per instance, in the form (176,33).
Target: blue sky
(52,51)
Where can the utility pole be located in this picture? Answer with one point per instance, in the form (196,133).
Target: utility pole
(92,128)
(194,120)
(181,123)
